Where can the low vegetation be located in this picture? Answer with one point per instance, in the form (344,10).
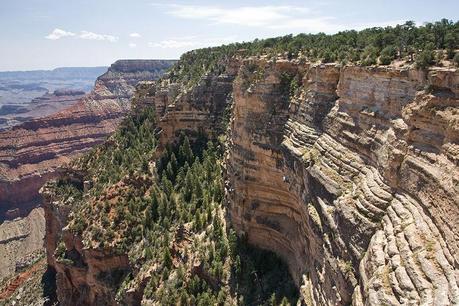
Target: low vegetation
(423,45)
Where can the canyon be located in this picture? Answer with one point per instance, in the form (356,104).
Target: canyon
(33,152)
(25,95)
(45,105)
(354,182)
(348,173)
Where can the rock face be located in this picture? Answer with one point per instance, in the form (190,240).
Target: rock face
(91,276)
(349,173)
(194,110)
(21,242)
(354,182)
(31,153)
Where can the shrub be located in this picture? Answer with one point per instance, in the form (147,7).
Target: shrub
(369,56)
(425,58)
(456,58)
(387,55)
(328,57)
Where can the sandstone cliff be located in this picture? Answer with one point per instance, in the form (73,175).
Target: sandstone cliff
(31,153)
(21,242)
(95,272)
(354,181)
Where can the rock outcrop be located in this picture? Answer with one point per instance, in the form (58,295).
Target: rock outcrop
(353,180)
(194,110)
(31,153)
(90,277)
(84,276)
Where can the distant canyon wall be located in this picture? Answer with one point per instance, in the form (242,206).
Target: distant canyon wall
(31,153)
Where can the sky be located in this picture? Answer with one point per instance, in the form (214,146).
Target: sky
(45,34)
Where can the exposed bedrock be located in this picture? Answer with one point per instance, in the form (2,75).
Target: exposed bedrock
(21,242)
(84,276)
(91,277)
(194,109)
(349,173)
(354,181)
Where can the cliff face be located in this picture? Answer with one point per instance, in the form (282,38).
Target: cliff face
(196,109)
(354,182)
(31,153)
(21,239)
(349,173)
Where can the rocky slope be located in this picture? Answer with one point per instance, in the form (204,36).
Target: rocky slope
(31,153)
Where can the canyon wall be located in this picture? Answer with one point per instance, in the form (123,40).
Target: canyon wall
(31,153)
(21,242)
(354,181)
(84,276)
(94,274)
(349,173)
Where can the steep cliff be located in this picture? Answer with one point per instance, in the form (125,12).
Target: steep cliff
(354,182)
(21,242)
(348,172)
(31,152)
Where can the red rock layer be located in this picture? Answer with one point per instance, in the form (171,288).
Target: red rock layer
(31,153)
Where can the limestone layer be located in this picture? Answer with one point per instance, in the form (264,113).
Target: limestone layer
(21,242)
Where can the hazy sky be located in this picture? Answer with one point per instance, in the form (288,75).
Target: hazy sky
(43,34)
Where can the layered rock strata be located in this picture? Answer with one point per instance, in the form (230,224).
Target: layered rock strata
(31,153)
(47,104)
(354,181)
(193,110)
(83,276)
(93,274)
(349,173)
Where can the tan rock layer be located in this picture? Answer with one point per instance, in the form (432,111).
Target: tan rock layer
(356,150)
